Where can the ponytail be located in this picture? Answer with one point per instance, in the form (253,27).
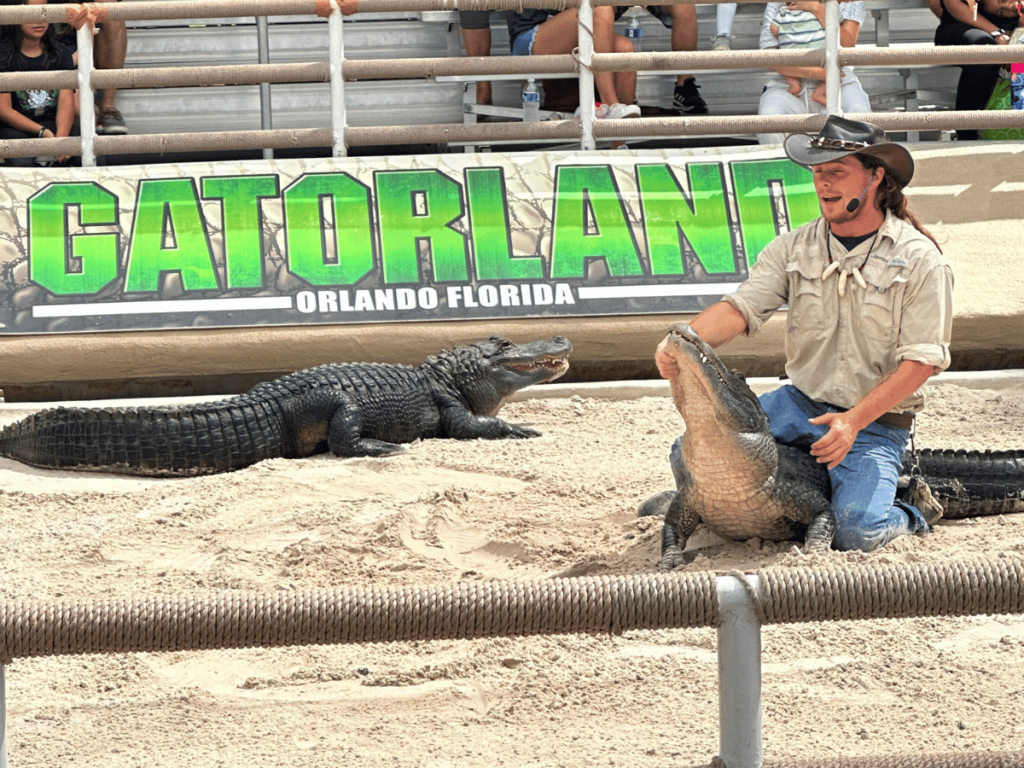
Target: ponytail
(890,197)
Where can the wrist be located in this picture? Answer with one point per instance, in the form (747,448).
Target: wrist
(42,130)
(997,33)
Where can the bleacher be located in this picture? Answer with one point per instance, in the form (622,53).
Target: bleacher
(436,34)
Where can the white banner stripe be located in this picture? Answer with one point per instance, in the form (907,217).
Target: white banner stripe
(160,307)
(655,291)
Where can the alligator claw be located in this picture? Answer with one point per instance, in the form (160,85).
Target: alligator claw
(673,557)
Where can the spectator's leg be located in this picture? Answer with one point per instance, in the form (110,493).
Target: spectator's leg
(724,15)
(777,100)
(111,45)
(852,95)
(684,32)
(559,34)
(476,40)
(625,82)
(685,99)
(976,80)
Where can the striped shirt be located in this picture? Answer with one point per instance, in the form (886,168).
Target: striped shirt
(801,29)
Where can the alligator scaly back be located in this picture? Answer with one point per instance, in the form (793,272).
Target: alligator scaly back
(971,483)
(350,409)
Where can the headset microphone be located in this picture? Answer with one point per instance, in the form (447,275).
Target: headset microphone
(855,203)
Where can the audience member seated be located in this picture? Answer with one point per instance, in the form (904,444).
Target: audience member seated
(476,40)
(43,114)
(551,32)
(801,90)
(682,20)
(110,45)
(990,22)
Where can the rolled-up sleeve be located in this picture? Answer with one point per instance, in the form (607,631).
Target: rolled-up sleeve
(765,290)
(927,323)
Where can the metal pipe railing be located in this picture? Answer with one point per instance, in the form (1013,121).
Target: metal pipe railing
(336,71)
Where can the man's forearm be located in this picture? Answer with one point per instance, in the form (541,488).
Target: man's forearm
(908,377)
(719,324)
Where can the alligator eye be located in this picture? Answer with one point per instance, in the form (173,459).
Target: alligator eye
(505,344)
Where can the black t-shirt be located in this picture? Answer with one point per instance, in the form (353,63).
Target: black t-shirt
(1007,25)
(38,104)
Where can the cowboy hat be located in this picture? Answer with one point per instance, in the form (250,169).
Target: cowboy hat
(841,137)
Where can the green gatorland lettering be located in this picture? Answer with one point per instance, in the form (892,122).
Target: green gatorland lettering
(416,227)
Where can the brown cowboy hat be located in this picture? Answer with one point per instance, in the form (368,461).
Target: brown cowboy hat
(841,137)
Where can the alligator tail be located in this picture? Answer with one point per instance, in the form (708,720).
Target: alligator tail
(971,483)
(164,442)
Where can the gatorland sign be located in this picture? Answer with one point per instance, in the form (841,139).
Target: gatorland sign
(387,239)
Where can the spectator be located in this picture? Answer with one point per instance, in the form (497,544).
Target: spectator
(546,32)
(109,48)
(44,114)
(791,90)
(476,39)
(682,20)
(724,15)
(989,22)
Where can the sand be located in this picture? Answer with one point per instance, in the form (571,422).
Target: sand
(562,504)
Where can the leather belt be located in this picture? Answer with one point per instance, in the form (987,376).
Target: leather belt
(900,420)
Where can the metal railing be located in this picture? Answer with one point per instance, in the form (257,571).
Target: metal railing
(337,70)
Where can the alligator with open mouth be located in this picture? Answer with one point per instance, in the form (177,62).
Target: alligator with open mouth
(349,409)
(734,477)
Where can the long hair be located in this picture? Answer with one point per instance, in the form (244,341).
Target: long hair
(890,197)
(12,35)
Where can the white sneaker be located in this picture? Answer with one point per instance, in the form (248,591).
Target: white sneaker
(722,43)
(622,111)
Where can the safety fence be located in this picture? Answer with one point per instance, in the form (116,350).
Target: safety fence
(337,70)
(737,604)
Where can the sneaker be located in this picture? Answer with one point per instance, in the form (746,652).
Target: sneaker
(622,111)
(687,101)
(111,123)
(721,42)
(920,495)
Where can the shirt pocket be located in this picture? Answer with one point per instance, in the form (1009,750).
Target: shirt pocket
(883,297)
(807,309)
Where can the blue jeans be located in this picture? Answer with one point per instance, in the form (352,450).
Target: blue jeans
(864,484)
(523,45)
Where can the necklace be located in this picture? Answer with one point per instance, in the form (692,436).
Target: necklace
(844,275)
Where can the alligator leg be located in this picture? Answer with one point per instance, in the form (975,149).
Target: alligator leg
(680,523)
(658,504)
(820,532)
(460,424)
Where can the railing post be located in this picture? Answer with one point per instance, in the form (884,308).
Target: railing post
(739,675)
(336,64)
(86,96)
(3,719)
(833,84)
(585,17)
(266,105)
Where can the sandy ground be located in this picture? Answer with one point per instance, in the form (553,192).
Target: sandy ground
(562,504)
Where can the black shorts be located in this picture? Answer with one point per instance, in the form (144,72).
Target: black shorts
(475,19)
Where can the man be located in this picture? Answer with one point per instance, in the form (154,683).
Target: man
(869,318)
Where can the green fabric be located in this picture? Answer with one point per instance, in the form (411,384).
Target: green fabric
(1000,99)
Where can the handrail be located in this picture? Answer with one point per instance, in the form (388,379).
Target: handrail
(342,136)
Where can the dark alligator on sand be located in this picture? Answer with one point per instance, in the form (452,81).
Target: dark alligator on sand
(350,409)
(741,483)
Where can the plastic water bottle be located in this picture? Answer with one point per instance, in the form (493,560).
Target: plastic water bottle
(531,102)
(635,33)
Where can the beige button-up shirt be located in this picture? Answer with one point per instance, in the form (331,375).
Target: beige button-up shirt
(838,348)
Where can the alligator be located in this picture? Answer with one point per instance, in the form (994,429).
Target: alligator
(732,475)
(349,409)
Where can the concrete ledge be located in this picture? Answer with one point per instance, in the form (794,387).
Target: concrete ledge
(609,390)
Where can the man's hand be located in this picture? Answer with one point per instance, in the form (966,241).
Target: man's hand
(667,365)
(837,442)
